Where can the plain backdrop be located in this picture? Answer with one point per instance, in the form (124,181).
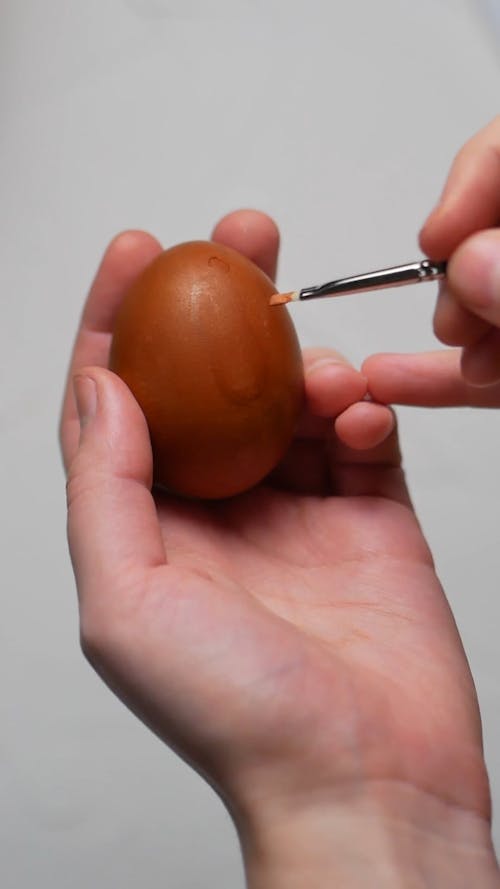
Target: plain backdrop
(340,119)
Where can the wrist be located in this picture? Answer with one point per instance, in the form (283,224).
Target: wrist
(392,835)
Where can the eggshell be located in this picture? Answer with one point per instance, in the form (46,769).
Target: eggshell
(216,370)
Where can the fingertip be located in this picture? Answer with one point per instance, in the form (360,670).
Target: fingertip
(365,425)
(117,432)
(131,240)
(247,221)
(437,237)
(125,257)
(378,370)
(370,364)
(252,233)
(127,254)
(332,386)
(425,235)
(115,392)
(470,199)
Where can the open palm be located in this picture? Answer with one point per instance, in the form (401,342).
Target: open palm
(295,634)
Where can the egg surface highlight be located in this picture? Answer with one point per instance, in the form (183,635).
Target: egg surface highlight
(216,370)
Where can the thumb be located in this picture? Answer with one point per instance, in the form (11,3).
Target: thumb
(474,275)
(113,529)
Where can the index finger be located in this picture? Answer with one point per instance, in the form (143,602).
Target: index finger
(428,379)
(471,197)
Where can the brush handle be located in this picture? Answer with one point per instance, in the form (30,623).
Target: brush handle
(396,276)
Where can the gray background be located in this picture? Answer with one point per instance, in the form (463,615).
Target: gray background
(338,118)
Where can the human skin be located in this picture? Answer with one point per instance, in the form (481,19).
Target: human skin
(293,644)
(463,229)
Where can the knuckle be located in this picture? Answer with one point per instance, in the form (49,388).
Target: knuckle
(102,637)
(90,644)
(76,481)
(82,482)
(109,617)
(74,488)
(96,634)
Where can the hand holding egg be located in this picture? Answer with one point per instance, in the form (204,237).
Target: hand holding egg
(212,619)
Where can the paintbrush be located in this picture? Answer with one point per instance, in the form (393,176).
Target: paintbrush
(397,276)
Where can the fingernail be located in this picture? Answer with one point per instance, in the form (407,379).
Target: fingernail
(324,362)
(85,391)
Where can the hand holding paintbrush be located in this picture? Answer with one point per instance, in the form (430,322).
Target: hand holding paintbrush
(464,230)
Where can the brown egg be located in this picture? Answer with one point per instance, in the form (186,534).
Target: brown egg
(215,369)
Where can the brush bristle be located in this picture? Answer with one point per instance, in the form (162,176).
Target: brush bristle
(278,299)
